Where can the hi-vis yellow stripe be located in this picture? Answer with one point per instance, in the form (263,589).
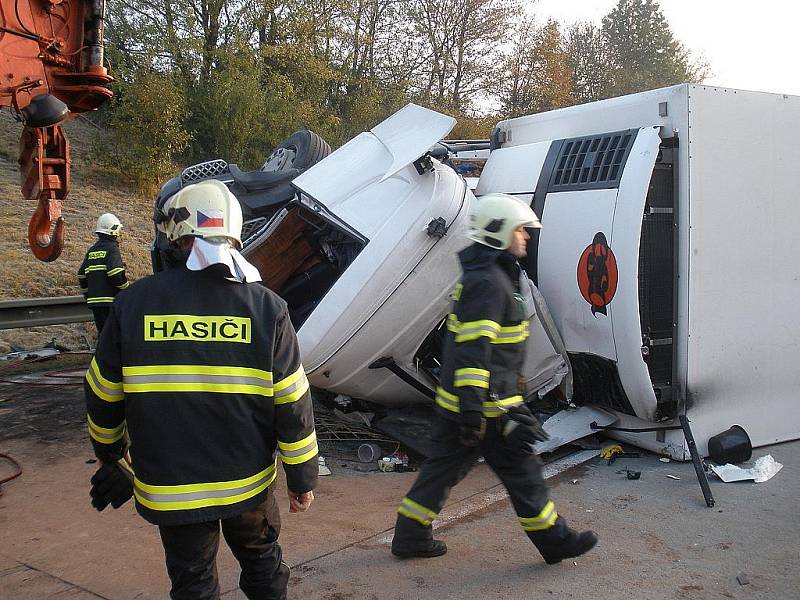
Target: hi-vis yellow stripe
(294,453)
(414,510)
(544,520)
(471,377)
(496,333)
(291,388)
(197,328)
(202,495)
(109,391)
(195,378)
(105,435)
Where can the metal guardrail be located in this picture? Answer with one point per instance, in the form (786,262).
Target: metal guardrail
(34,312)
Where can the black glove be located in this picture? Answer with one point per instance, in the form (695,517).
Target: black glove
(471,429)
(521,428)
(111,484)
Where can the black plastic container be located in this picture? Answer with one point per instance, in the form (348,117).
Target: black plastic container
(731,446)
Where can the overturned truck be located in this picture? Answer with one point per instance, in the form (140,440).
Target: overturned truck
(662,282)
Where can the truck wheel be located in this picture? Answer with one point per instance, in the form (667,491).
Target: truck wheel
(299,151)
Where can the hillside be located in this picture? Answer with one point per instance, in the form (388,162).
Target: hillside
(22,275)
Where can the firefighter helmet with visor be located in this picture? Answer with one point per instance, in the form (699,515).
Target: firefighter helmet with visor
(494,218)
(108,224)
(206,210)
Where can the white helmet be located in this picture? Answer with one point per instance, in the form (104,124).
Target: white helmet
(207,209)
(108,224)
(494,218)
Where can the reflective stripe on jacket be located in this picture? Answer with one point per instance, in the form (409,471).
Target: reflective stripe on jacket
(484,347)
(203,375)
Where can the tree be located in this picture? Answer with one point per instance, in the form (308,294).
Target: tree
(590,63)
(538,76)
(642,50)
(146,131)
(461,40)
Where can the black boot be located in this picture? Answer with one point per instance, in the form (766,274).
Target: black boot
(560,541)
(414,540)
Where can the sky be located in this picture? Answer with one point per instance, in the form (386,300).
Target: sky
(751,45)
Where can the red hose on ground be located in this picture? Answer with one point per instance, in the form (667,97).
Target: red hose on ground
(10,477)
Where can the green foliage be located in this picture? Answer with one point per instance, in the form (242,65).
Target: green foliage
(642,50)
(202,79)
(146,131)
(589,62)
(540,75)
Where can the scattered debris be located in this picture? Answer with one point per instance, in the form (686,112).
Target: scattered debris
(395,463)
(609,452)
(742,579)
(369,452)
(630,474)
(389,464)
(575,481)
(731,446)
(664,459)
(675,477)
(358,417)
(612,453)
(762,470)
(323,469)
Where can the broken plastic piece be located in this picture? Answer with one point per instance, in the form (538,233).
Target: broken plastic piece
(762,470)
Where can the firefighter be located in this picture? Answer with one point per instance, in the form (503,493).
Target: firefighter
(102,273)
(480,406)
(198,374)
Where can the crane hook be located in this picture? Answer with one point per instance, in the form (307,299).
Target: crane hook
(46,229)
(44,168)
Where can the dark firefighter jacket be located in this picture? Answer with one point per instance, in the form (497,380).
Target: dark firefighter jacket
(204,376)
(485,342)
(102,272)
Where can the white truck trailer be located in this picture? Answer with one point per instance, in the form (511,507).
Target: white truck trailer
(666,254)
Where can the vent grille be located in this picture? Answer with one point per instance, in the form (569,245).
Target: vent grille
(204,170)
(591,162)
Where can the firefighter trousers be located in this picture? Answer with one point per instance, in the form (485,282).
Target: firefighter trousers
(519,470)
(252,536)
(100,316)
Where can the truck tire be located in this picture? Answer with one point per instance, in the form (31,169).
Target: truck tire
(300,150)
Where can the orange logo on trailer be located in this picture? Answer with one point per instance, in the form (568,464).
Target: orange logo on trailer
(598,274)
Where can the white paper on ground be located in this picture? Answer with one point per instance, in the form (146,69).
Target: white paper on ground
(762,470)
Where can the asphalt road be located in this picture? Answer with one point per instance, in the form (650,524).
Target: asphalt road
(658,539)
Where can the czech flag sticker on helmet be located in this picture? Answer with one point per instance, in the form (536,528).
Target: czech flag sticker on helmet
(212,217)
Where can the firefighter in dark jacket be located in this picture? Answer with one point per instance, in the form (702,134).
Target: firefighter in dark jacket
(481,408)
(198,375)
(102,272)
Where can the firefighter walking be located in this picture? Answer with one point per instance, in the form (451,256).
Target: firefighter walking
(480,406)
(199,368)
(101,275)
